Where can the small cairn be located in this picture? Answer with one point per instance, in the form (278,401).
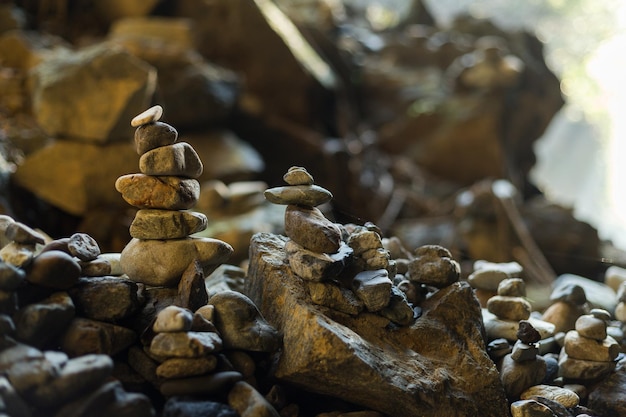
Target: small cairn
(505,310)
(588,353)
(486,277)
(161,248)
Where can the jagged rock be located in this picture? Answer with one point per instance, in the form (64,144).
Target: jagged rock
(107,298)
(409,364)
(111,83)
(77,177)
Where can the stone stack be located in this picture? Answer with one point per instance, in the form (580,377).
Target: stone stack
(505,310)
(486,277)
(161,248)
(620,309)
(588,353)
(523,367)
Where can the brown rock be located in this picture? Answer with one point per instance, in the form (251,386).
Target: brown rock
(308,227)
(179,159)
(169,193)
(192,293)
(86,336)
(153,135)
(54,269)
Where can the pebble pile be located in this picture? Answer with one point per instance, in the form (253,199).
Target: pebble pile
(161,247)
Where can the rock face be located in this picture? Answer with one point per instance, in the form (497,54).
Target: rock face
(435,367)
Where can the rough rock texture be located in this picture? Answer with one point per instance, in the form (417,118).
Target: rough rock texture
(436,367)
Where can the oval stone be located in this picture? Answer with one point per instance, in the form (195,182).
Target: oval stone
(304,195)
(166,224)
(298,176)
(179,159)
(153,114)
(83,246)
(591,327)
(162,262)
(54,269)
(148,192)
(509,308)
(153,135)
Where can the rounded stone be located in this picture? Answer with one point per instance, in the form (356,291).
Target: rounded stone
(433,265)
(11,277)
(509,308)
(601,314)
(178,159)
(162,262)
(154,135)
(54,269)
(153,114)
(186,367)
(569,293)
(530,408)
(512,287)
(173,319)
(298,176)
(168,192)
(582,348)
(591,327)
(527,333)
(166,224)
(83,246)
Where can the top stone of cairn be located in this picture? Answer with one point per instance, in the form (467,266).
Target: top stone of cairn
(153,114)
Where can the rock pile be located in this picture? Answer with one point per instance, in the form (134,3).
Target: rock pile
(161,249)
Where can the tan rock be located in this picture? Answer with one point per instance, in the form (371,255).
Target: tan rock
(578,370)
(583,348)
(166,224)
(308,227)
(509,308)
(167,192)
(563,396)
(179,159)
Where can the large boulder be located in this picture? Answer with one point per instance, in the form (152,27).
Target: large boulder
(437,366)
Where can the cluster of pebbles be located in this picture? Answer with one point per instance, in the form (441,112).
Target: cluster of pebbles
(350,268)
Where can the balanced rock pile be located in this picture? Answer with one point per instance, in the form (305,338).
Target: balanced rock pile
(161,248)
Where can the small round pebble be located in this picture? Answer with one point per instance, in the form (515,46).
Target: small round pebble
(83,246)
(173,319)
(298,176)
(153,114)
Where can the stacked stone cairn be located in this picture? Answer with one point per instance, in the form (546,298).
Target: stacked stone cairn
(347,267)
(588,353)
(505,310)
(486,276)
(567,304)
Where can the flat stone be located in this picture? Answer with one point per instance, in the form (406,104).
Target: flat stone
(507,329)
(40,323)
(11,277)
(57,244)
(95,268)
(298,176)
(512,287)
(433,265)
(78,376)
(600,314)
(333,296)
(583,348)
(192,292)
(54,269)
(241,324)
(363,241)
(20,233)
(308,227)
(166,224)
(305,195)
(107,298)
(579,370)
(173,319)
(488,275)
(179,159)
(509,308)
(153,114)
(524,352)
(563,396)
(246,400)
(83,246)
(185,344)
(591,327)
(154,135)
(314,266)
(373,288)
(185,367)
(162,262)
(168,193)
(85,336)
(218,382)
(196,407)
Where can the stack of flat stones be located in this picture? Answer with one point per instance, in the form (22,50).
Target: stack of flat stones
(486,276)
(161,248)
(505,310)
(588,353)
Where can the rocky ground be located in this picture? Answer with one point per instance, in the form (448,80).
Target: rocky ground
(166,250)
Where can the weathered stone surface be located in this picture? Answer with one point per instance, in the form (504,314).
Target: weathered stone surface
(333,296)
(314,266)
(173,319)
(247,401)
(488,275)
(162,262)
(298,176)
(54,269)
(185,367)
(179,159)
(86,336)
(507,329)
(527,333)
(154,135)
(241,324)
(20,233)
(421,367)
(83,246)
(77,177)
(166,224)
(512,287)
(530,408)
(592,327)
(167,192)
(563,396)
(608,398)
(103,80)
(578,370)
(578,347)
(18,254)
(516,376)
(192,292)
(434,265)
(306,195)
(106,298)
(185,344)
(40,323)
(373,288)
(524,352)
(308,227)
